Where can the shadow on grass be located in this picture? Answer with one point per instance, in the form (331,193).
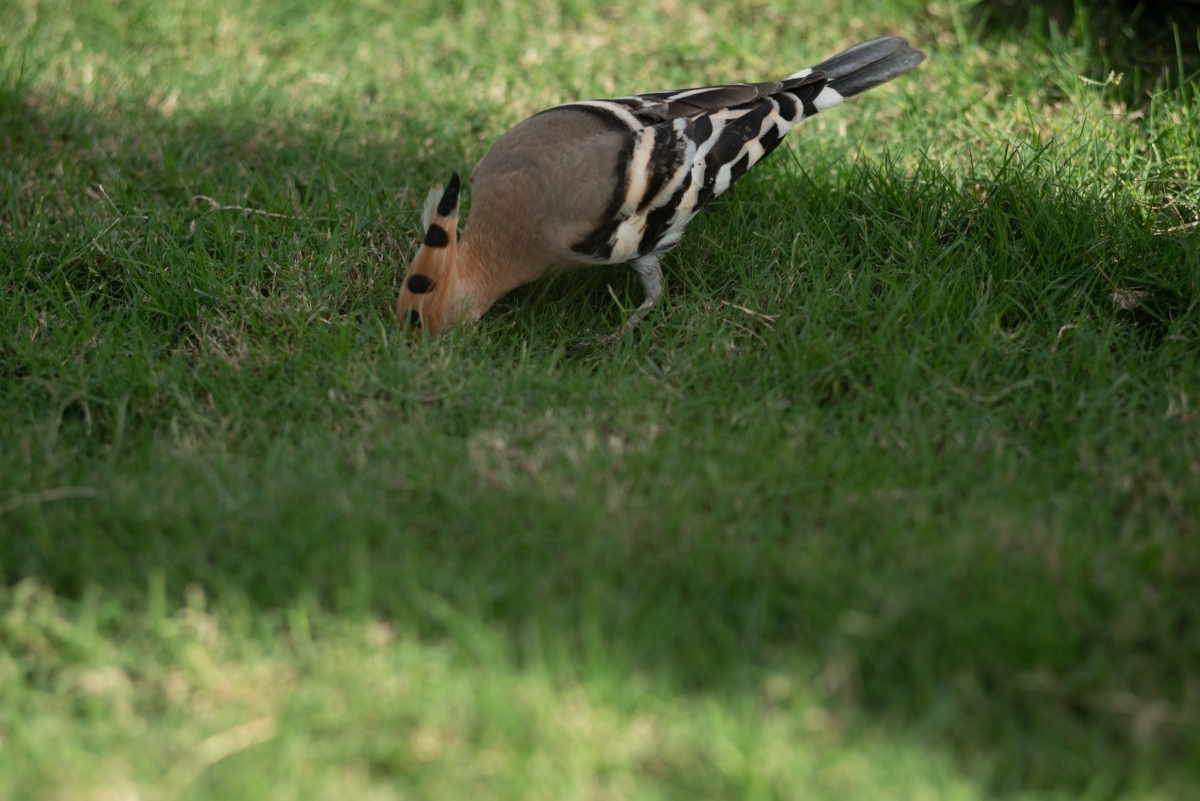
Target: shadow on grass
(975,597)
(1155,45)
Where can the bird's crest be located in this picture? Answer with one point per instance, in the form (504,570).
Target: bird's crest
(431,204)
(427,286)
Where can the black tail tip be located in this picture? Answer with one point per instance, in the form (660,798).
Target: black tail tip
(870,63)
(449,201)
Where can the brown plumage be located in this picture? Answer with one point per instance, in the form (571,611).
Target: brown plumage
(613,181)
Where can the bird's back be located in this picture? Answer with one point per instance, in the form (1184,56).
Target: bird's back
(538,188)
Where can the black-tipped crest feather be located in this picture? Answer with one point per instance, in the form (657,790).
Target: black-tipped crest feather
(449,201)
(436,236)
(419,284)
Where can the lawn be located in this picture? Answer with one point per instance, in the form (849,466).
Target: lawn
(895,494)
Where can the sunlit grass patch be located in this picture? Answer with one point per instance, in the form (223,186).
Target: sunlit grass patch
(235,703)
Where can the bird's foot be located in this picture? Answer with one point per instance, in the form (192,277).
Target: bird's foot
(610,341)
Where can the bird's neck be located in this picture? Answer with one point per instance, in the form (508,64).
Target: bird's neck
(491,265)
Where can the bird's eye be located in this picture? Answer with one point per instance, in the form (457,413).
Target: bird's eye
(419,284)
(414,318)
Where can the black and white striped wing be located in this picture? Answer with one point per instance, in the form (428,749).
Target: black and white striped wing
(685,148)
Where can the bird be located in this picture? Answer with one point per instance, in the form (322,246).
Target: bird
(613,181)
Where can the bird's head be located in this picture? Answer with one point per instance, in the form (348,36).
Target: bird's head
(432,296)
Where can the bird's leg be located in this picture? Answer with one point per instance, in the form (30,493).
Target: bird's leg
(652,281)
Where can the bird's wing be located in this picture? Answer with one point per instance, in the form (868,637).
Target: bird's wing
(686,147)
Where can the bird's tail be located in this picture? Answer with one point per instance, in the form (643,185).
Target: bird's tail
(868,64)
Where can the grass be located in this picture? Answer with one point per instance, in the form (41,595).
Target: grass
(893,496)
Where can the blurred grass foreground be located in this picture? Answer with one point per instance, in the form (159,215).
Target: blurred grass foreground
(894,496)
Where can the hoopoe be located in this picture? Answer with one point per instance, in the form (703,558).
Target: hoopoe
(614,181)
